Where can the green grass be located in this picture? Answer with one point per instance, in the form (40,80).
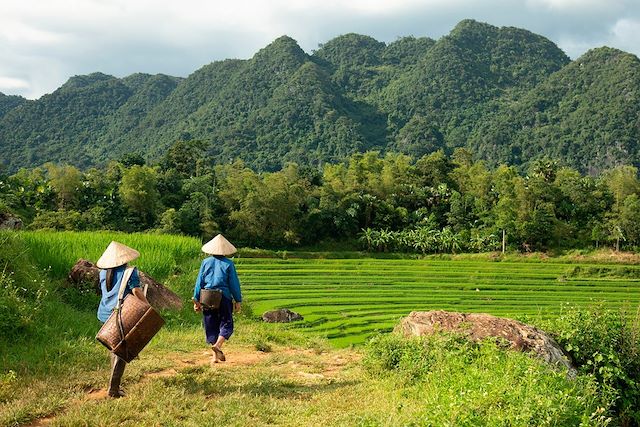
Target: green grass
(346,300)
(159,254)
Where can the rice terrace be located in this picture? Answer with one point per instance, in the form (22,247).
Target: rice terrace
(348,299)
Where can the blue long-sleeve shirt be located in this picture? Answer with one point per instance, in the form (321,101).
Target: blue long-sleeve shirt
(109,298)
(218,272)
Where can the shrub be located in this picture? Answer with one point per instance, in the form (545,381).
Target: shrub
(15,315)
(21,289)
(606,345)
(466,383)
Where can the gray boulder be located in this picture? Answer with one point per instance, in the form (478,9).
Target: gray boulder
(283,315)
(9,222)
(476,327)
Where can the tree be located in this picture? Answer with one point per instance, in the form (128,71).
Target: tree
(621,181)
(67,182)
(139,192)
(184,157)
(630,219)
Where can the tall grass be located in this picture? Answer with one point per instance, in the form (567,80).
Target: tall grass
(59,251)
(469,384)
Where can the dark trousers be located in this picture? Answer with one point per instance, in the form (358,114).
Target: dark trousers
(218,322)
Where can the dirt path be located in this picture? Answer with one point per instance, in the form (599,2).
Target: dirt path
(237,357)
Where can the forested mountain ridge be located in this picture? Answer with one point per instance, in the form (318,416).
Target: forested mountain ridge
(505,93)
(587,114)
(9,102)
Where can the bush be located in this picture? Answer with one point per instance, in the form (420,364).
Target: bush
(606,345)
(468,383)
(15,315)
(21,289)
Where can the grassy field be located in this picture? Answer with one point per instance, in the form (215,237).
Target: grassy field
(55,373)
(349,299)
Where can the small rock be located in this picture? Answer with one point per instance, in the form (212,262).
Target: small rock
(283,315)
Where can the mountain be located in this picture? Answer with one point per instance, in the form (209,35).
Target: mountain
(587,114)
(462,71)
(9,102)
(505,93)
(74,123)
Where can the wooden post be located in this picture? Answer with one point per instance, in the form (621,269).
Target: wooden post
(504,240)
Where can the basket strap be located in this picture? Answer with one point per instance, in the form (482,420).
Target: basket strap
(123,285)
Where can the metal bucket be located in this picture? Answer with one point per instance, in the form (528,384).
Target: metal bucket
(210,298)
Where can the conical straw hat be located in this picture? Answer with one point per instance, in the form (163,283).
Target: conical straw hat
(116,255)
(219,246)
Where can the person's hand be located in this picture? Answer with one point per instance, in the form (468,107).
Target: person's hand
(236,307)
(197,306)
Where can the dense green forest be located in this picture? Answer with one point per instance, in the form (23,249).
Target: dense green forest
(372,201)
(505,94)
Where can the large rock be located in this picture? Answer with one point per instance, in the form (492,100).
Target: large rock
(477,327)
(159,297)
(283,315)
(9,222)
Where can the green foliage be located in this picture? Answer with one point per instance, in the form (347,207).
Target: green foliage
(139,192)
(605,344)
(22,289)
(433,204)
(489,385)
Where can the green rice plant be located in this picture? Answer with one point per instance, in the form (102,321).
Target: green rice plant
(59,251)
(348,299)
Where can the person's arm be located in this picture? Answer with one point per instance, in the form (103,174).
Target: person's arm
(134,285)
(234,286)
(139,293)
(196,291)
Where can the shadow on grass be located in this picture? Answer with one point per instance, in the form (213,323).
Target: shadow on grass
(201,381)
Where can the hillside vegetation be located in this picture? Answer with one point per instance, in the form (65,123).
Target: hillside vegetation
(506,94)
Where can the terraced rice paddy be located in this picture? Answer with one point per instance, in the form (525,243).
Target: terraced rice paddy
(349,299)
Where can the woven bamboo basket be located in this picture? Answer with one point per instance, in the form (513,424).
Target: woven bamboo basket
(140,323)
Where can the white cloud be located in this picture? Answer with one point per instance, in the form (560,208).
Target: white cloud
(576,5)
(625,35)
(11,83)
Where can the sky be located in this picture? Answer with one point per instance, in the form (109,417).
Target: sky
(44,42)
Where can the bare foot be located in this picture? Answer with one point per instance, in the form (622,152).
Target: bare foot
(219,355)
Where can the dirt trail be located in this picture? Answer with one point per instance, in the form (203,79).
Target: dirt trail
(331,367)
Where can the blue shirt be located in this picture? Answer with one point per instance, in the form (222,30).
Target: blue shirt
(109,299)
(218,272)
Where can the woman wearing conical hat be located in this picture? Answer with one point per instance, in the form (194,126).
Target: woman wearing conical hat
(218,272)
(113,264)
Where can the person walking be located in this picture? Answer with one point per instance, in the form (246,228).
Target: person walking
(218,279)
(113,264)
